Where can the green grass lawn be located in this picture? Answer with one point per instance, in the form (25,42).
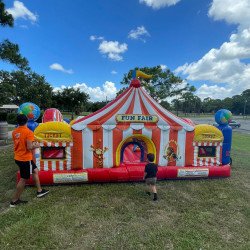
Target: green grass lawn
(200,214)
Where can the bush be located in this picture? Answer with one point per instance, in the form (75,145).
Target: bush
(3,117)
(12,118)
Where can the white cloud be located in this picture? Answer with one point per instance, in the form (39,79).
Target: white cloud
(59,67)
(163,67)
(157,4)
(93,38)
(113,49)
(59,88)
(139,33)
(113,72)
(213,91)
(223,64)
(20,11)
(107,92)
(232,11)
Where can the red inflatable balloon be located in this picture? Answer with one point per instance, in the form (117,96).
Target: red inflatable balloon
(52,115)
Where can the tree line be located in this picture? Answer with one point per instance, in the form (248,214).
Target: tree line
(189,103)
(24,85)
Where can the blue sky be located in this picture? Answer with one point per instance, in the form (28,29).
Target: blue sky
(92,44)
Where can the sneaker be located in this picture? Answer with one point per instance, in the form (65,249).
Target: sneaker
(17,202)
(42,193)
(155,197)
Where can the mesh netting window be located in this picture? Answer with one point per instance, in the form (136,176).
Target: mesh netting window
(53,153)
(206,151)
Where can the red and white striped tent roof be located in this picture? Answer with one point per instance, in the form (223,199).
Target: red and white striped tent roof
(134,100)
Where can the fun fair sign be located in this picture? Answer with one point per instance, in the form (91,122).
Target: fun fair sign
(136,118)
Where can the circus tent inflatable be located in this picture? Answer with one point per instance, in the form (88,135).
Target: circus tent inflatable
(111,144)
(134,115)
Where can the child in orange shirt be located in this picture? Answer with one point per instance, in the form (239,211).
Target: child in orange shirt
(23,139)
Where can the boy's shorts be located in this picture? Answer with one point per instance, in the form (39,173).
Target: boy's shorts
(24,167)
(151,181)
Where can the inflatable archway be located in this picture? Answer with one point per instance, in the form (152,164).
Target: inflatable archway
(136,139)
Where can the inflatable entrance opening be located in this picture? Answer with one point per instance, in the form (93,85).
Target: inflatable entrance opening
(134,149)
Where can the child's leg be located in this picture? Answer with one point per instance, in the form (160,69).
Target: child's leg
(19,189)
(36,180)
(154,191)
(153,188)
(147,189)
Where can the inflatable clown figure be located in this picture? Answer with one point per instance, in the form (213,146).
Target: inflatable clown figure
(223,117)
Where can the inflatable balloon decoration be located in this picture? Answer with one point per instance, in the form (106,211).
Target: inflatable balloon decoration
(52,115)
(66,120)
(223,117)
(32,111)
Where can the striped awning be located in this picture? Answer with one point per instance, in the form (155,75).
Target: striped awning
(207,143)
(56,144)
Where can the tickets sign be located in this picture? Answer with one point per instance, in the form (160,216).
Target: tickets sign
(205,132)
(53,132)
(193,172)
(136,118)
(70,177)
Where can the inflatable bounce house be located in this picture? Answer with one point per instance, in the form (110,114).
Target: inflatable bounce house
(111,144)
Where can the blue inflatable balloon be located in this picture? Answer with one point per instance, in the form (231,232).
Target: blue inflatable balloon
(223,116)
(32,125)
(67,120)
(31,110)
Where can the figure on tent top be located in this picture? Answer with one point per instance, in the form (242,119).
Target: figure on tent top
(136,82)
